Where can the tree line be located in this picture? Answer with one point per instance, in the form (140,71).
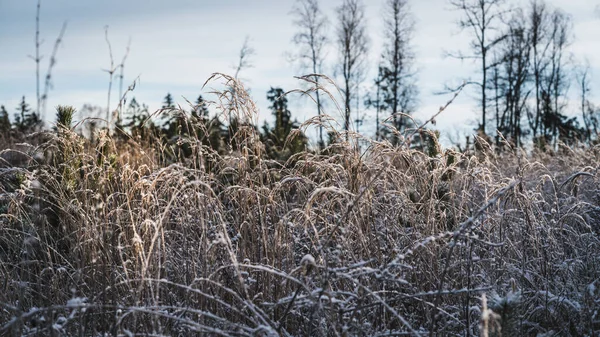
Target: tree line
(177,126)
(525,70)
(521,49)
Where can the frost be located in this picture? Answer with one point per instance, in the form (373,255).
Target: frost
(592,289)
(77,302)
(265,330)
(308,260)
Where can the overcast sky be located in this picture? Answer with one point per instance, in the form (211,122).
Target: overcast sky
(176,45)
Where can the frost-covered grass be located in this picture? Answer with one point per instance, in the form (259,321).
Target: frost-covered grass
(108,238)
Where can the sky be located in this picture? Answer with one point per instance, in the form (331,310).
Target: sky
(176,45)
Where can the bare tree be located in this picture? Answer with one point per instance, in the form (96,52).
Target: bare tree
(587,109)
(589,113)
(550,34)
(557,80)
(540,44)
(481,17)
(397,61)
(374,99)
(352,43)
(311,40)
(510,78)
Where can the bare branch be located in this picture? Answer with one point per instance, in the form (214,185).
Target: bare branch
(244,60)
(51,64)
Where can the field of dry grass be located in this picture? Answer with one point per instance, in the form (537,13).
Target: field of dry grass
(108,238)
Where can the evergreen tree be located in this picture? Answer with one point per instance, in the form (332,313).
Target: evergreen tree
(64,117)
(277,144)
(168,102)
(4,121)
(281,113)
(25,119)
(199,120)
(209,131)
(173,121)
(216,130)
(20,117)
(400,90)
(200,110)
(137,119)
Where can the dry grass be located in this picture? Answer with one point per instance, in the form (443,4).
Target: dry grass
(107,238)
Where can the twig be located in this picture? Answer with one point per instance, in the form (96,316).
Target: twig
(37,58)
(121,75)
(110,72)
(51,64)
(442,109)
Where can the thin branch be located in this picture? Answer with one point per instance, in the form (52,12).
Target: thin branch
(51,64)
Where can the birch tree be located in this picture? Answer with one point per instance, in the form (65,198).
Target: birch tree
(311,40)
(481,18)
(352,44)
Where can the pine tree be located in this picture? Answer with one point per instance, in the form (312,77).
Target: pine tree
(208,130)
(278,146)
(4,121)
(25,119)
(22,111)
(173,120)
(399,91)
(64,117)
(200,110)
(281,113)
(168,102)
(199,119)
(216,131)
(137,119)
